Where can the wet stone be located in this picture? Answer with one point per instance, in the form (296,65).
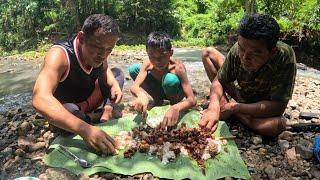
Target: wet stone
(257,140)
(284,144)
(308,115)
(305,152)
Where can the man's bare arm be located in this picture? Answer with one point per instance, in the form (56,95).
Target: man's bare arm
(262,109)
(210,117)
(43,99)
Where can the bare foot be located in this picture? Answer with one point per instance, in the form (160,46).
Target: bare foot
(110,112)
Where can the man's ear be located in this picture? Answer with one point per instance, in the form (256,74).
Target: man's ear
(81,36)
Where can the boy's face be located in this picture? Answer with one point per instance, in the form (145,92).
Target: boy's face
(159,57)
(253,53)
(96,48)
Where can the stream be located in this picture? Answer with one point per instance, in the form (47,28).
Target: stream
(17,77)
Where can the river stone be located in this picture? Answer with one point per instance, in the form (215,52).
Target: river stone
(25,142)
(284,144)
(291,154)
(37,146)
(7,151)
(257,140)
(305,152)
(59,173)
(19,152)
(148,176)
(308,115)
(315,172)
(271,172)
(24,128)
(286,135)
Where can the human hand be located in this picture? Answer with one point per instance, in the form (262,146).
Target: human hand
(140,104)
(116,94)
(209,120)
(228,109)
(99,140)
(171,117)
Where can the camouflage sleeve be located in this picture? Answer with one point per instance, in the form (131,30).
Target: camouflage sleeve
(283,83)
(226,73)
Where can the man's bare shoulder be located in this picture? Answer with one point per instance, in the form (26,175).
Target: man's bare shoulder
(56,56)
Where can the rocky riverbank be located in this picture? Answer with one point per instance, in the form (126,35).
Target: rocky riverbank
(25,135)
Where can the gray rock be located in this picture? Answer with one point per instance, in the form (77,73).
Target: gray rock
(7,151)
(284,144)
(25,142)
(257,140)
(148,177)
(59,174)
(315,172)
(308,115)
(286,135)
(305,152)
(16,117)
(271,172)
(37,146)
(24,128)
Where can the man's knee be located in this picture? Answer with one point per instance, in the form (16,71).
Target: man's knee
(134,70)
(171,84)
(274,127)
(118,74)
(75,110)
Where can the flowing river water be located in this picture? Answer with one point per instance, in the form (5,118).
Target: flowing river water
(17,77)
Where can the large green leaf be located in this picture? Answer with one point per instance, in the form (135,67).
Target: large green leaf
(227,163)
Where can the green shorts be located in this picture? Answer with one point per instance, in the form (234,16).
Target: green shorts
(170,85)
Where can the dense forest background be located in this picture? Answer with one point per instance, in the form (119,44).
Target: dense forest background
(27,24)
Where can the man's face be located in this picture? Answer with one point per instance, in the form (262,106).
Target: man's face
(97,48)
(253,53)
(159,57)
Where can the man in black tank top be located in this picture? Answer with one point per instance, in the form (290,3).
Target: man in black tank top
(75,80)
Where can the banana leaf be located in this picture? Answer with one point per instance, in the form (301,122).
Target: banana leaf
(227,163)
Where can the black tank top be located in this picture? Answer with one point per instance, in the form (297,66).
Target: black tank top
(78,85)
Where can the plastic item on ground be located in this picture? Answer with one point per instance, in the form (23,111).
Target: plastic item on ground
(316,149)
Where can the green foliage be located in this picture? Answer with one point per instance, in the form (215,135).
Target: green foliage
(24,24)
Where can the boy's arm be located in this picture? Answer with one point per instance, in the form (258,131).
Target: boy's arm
(135,89)
(172,115)
(55,64)
(141,103)
(186,87)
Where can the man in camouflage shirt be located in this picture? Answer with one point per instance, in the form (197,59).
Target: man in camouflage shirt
(258,73)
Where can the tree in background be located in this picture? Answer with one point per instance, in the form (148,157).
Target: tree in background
(24,24)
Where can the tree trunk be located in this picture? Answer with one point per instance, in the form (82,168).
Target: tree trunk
(251,6)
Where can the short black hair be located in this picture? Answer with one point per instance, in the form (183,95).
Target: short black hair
(96,21)
(159,40)
(260,26)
